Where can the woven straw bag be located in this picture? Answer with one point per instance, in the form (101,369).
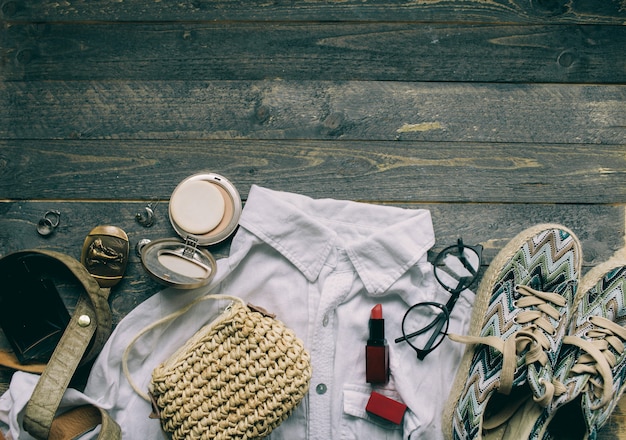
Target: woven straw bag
(238,377)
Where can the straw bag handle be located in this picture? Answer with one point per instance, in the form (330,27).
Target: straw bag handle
(162,321)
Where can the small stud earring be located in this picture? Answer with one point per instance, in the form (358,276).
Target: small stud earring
(146,217)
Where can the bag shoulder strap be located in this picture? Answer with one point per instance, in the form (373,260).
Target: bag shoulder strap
(90,323)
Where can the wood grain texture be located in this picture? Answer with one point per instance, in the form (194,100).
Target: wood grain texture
(371,171)
(314,51)
(524,11)
(346,110)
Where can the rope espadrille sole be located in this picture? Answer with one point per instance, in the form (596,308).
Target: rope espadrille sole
(480,308)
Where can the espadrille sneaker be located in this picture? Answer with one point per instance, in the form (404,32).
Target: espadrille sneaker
(591,368)
(521,311)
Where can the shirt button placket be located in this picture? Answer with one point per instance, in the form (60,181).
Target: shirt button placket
(323,356)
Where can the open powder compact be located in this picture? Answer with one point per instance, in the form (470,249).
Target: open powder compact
(204,209)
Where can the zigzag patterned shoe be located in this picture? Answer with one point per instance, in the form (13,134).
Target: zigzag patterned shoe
(592,364)
(521,311)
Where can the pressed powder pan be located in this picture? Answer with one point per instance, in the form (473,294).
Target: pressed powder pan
(204,209)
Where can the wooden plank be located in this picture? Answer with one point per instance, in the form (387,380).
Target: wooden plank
(472,11)
(616,426)
(389,171)
(314,51)
(274,109)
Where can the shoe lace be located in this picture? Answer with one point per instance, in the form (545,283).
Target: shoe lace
(602,345)
(536,307)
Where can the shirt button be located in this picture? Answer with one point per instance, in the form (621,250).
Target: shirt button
(325,320)
(321,388)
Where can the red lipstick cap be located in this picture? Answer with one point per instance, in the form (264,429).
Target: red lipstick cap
(386,408)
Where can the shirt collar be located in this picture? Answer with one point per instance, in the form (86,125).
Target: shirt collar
(382,242)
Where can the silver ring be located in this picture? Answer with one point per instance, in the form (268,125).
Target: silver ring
(48,223)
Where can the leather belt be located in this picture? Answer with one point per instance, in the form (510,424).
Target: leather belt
(83,338)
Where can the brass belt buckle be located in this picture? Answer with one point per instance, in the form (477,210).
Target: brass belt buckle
(105,254)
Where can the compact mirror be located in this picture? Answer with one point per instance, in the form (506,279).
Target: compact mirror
(204,209)
(178,264)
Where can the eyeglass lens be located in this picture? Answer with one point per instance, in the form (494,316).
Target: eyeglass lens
(456,267)
(424,326)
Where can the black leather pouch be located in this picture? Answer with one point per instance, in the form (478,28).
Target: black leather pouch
(32,313)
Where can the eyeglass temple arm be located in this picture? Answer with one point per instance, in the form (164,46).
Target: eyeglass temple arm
(438,321)
(466,264)
(464,283)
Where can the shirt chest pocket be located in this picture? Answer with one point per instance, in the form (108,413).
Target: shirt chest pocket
(357,424)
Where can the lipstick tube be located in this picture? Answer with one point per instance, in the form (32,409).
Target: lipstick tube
(377,350)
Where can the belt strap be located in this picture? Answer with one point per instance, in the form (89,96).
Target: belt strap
(83,419)
(90,324)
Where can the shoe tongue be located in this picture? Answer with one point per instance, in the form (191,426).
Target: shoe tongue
(502,409)
(523,424)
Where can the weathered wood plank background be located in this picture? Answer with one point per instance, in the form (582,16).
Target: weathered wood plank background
(495,115)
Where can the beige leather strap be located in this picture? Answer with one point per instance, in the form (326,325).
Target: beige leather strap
(82,340)
(43,404)
(81,420)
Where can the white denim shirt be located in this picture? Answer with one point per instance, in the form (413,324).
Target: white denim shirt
(320,266)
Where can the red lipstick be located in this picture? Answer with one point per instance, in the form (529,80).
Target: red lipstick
(376,350)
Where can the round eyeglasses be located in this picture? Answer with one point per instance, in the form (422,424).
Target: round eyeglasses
(425,324)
